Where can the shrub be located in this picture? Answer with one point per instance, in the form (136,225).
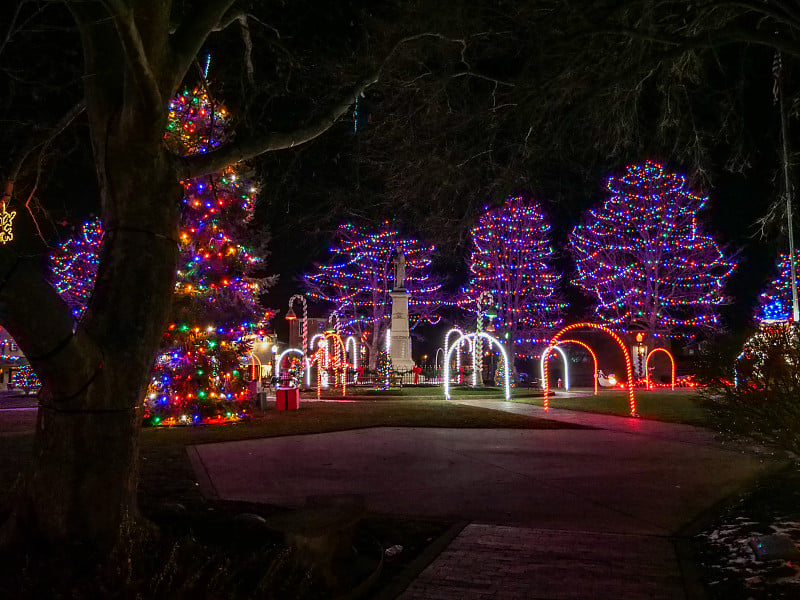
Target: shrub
(757,394)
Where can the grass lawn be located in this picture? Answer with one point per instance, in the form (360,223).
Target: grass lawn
(679,406)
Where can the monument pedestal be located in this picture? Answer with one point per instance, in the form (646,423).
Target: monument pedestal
(400,342)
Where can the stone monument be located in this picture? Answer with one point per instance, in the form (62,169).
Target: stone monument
(400,343)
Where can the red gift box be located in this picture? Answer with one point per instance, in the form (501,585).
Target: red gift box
(287,398)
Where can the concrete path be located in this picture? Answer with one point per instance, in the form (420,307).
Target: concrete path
(583,513)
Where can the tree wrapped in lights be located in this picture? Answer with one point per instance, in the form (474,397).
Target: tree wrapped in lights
(511,259)
(359,277)
(383,369)
(74,264)
(646,260)
(776,301)
(25,379)
(197,377)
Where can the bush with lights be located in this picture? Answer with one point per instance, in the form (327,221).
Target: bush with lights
(755,394)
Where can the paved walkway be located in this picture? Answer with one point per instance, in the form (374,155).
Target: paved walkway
(587,513)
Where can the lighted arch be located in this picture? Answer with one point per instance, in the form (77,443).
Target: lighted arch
(355,349)
(436,359)
(314,339)
(647,362)
(471,337)
(338,364)
(256,362)
(563,357)
(594,358)
(447,345)
(628,367)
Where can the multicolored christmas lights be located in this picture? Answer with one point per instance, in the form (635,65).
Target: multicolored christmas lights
(511,260)
(74,265)
(359,276)
(628,366)
(25,378)
(646,260)
(776,301)
(199,376)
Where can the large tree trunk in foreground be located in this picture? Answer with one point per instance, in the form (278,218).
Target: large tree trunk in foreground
(82,484)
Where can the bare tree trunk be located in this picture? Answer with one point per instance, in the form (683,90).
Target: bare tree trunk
(82,483)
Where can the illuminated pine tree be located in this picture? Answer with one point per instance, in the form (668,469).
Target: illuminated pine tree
(360,274)
(645,258)
(25,378)
(383,369)
(197,377)
(776,301)
(511,258)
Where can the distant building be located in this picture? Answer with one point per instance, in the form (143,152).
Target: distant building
(316,326)
(11,358)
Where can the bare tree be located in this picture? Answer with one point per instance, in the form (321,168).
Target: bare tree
(82,484)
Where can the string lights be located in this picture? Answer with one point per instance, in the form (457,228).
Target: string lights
(511,260)
(197,377)
(644,258)
(359,276)
(6,222)
(74,265)
(776,301)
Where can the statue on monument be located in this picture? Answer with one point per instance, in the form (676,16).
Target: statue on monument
(399,269)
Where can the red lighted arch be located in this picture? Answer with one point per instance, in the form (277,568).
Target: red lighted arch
(647,362)
(628,368)
(594,357)
(339,360)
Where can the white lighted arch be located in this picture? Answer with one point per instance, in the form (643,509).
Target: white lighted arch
(447,338)
(471,338)
(447,345)
(319,336)
(354,350)
(436,358)
(564,358)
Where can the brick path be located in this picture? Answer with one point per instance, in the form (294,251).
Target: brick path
(509,563)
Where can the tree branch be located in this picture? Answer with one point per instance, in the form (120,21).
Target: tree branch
(41,324)
(239,150)
(135,54)
(722,38)
(44,138)
(190,36)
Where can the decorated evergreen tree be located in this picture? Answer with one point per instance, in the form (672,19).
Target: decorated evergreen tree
(25,379)
(645,258)
(359,277)
(500,375)
(383,369)
(776,301)
(198,377)
(510,259)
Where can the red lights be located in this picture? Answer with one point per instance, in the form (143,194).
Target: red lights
(628,368)
(647,362)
